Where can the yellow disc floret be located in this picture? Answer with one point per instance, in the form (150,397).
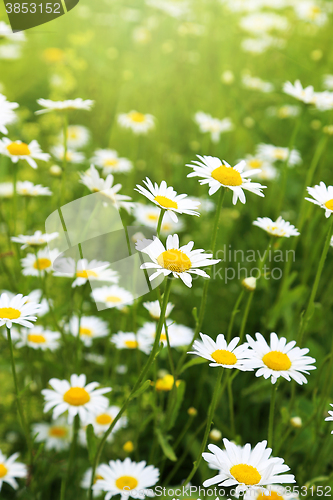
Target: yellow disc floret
(131,344)
(58,432)
(224,357)
(42,264)
(137,117)
(174,260)
(227,176)
(166,202)
(18,149)
(3,470)
(86,273)
(9,313)
(76,396)
(329,204)
(126,483)
(104,419)
(245,474)
(36,339)
(277,360)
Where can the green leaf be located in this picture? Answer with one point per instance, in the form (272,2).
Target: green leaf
(179,399)
(141,389)
(166,447)
(193,362)
(91,441)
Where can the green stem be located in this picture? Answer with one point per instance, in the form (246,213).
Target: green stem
(270,439)
(233,314)
(231,405)
(64,162)
(245,316)
(138,383)
(208,425)
(159,224)
(76,424)
(14,197)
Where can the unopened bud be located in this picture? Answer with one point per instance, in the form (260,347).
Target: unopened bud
(249,283)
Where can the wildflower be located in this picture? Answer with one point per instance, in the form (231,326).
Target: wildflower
(154,309)
(88,327)
(77,136)
(109,160)
(250,283)
(129,340)
(296,90)
(17,310)
(256,83)
(328,82)
(282,112)
(75,397)
(139,123)
(17,150)
(39,338)
(244,467)
(86,480)
(273,153)
(11,470)
(35,265)
(35,240)
(27,188)
(179,335)
(71,155)
(322,196)
(330,418)
(215,435)
(296,422)
(267,170)
(102,420)
(279,359)
(214,126)
(148,216)
(217,173)
(311,11)
(113,296)
(220,353)
(34,297)
(259,23)
(67,105)
(56,435)
(84,270)
(180,261)
(279,228)
(165,384)
(167,199)
(128,447)
(7,114)
(126,478)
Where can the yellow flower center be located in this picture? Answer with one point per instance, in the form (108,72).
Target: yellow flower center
(314,12)
(112,162)
(163,336)
(329,204)
(277,360)
(279,154)
(58,432)
(224,357)
(174,260)
(272,496)
(9,313)
(3,470)
(104,419)
(36,339)
(86,273)
(85,331)
(113,298)
(42,264)
(97,478)
(245,474)
(255,163)
(126,483)
(53,54)
(152,217)
(227,176)
(137,117)
(165,202)
(18,149)
(131,344)
(76,396)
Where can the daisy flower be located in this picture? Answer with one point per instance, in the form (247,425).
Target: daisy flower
(39,338)
(109,161)
(10,470)
(36,297)
(330,418)
(165,384)
(148,216)
(267,170)
(285,111)
(127,478)
(179,335)
(84,271)
(17,150)
(77,136)
(42,263)
(68,105)
(27,188)
(128,340)
(86,480)
(217,173)
(102,421)
(296,90)
(57,435)
(167,199)
(112,296)
(244,467)
(279,359)
(90,328)
(7,114)
(256,83)
(214,126)
(273,492)
(6,189)
(71,155)
(17,310)
(328,82)
(96,184)
(272,153)
(180,261)
(75,397)
(137,122)
(220,353)
(279,228)
(35,240)
(322,196)
(312,12)
(154,309)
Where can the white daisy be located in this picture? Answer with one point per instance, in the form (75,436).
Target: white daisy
(285,111)
(39,338)
(272,153)
(246,468)
(139,123)
(109,161)
(322,196)
(86,480)
(75,397)
(148,215)
(57,435)
(96,184)
(39,265)
(296,90)
(6,33)
(267,170)
(34,240)
(259,23)
(27,188)
(6,189)
(217,173)
(279,359)
(17,310)
(220,353)
(180,261)
(167,199)
(7,114)
(36,297)
(127,478)
(273,492)
(323,101)
(328,82)
(77,136)
(112,296)
(280,228)
(72,156)
(67,105)
(256,83)
(154,309)
(330,418)
(214,126)
(128,340)
(311,11)
(90,328)
(84,271)
(102,421)
(179,335)
(10,470)
(17,150)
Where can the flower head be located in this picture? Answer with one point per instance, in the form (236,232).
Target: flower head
(129,340)
(17,310)
(27,188)
(39,338)
(7,114)
(68,105)
(56,435)
(10,470)
(272,153)
(214,126)
(296,90)
(84,271)
(154,309)
(101,421)
(72,156)
(17,150)
(40,263)
(109,161)
(35,240)
(112,296)
(280,228)
(322,196)
(139,123)
(88,327)
(148,215)
(77,136)
(330,418)
(179,335)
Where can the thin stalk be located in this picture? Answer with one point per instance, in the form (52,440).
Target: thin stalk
(64,161)
(270,439)
(233,314)
(231,405)
(159,224)
(76,424)
(245,316)
(208,425)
